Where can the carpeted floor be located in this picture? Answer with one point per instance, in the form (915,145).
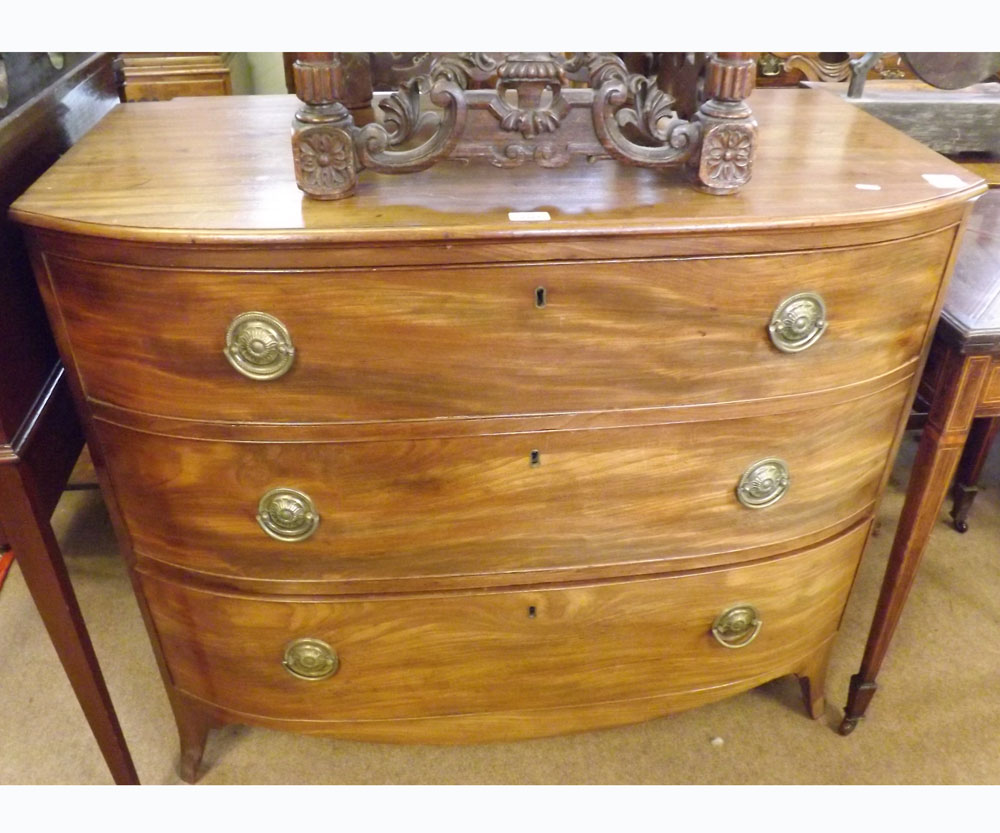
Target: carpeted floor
(932,721)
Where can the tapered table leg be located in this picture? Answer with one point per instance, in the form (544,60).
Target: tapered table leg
(970,467)
(27,527)
(941,446)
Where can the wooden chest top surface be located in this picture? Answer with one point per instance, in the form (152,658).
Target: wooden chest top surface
(220,169)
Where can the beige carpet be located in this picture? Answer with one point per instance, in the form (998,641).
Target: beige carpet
(932,721)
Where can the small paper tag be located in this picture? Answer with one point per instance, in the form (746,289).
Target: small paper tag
(943,180)
(864,186)
(527,216)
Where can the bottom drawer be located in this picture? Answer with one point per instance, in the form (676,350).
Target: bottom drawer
(501,663)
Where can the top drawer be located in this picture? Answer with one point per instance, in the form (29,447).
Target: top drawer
(388,344)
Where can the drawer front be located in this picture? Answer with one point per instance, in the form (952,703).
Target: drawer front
(486,506)
(459,654)
(404,344)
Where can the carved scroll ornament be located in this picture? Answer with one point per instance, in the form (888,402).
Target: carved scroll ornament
(532,113)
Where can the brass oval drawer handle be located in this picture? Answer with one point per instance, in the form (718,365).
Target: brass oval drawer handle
(798,322)
(737,627)
(258,346)
(287,514)
(763,484)
(310,659)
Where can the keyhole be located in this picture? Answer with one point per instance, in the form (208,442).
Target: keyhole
(531,612)
(536,458)
(540,297)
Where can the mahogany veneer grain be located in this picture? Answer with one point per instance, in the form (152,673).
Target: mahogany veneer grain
(404,344)
(475,511)
(407,663)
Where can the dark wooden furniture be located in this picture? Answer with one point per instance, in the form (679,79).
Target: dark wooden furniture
(962,385)
(531,115)
(986,165)
(949,121)
(486,454)
(40,436)
(790,69)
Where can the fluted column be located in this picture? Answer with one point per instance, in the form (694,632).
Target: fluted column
(322,140)
(728,129)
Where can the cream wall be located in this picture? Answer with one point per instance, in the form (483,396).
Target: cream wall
(266,73)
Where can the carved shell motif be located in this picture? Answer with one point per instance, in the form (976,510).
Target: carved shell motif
(799,318)
(287,514)
(737,622)
(310,659)
(529,73)
(763,483)
(798,322)
(258,345)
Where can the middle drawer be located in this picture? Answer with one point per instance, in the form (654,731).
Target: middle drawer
(501,507)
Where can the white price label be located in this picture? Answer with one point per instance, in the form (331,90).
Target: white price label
(528,216)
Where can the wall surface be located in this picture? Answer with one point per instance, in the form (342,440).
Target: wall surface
(267,73)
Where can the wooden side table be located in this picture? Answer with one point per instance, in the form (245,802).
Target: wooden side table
(962,383)
(40,435)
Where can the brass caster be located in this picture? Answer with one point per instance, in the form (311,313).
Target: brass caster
(848,725)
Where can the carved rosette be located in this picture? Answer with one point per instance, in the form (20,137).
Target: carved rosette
(726,157)
(322,140)
(325,163)
(724,163)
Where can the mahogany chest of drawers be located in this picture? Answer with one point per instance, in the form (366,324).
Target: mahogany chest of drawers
(408,468)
